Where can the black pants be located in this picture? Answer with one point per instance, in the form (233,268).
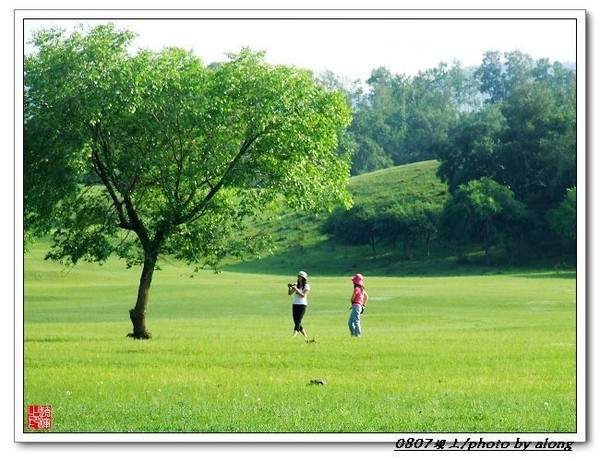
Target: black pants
(298,311)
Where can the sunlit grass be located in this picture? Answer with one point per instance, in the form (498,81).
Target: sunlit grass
(492,353)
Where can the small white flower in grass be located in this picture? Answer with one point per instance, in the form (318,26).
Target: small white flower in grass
(546,404)
(68,392)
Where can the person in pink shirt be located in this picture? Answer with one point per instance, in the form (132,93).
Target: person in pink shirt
(359,301)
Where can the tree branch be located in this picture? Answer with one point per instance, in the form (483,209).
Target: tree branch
(128,217)
(214,189)
(102,171)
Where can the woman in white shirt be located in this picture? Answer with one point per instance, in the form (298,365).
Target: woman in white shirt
(300,291)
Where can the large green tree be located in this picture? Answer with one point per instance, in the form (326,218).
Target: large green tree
(484,212)
(470,152)
(152,153)
(537,152)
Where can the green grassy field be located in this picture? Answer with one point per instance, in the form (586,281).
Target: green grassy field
(478,353)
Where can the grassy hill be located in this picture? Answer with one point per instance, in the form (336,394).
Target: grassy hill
(413,182)
(299,242)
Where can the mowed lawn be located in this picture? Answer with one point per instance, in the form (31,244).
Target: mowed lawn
(494,353)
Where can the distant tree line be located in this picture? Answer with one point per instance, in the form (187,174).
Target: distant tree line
(401,225)
(505,135)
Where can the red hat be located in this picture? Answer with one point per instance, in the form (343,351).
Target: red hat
(358,279)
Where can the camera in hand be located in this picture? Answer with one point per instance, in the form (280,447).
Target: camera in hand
(290,285)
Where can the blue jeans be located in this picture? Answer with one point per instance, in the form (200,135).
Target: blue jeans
(354,320)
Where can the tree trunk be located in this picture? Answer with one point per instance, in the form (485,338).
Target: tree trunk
(373,248)
(138,313)
(486,252)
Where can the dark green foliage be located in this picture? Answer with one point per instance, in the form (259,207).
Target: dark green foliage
(537,151)
(401,119)
(523,138)
(563,220)
(484,212)
(409,223)
(470,151)
(392,207)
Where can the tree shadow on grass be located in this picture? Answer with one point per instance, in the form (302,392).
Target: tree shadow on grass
(327,259)
(567,274)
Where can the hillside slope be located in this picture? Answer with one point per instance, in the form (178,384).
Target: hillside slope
(299,243)
(412,182)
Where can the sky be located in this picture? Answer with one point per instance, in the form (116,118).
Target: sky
(349,45)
